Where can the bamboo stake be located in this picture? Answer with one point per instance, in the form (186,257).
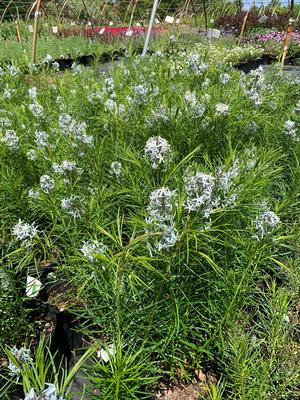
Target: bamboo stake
(132,14)
(35,31)
(29,11)
(243,28)
(286,42)
(127,10)
(18,32)
(205,15)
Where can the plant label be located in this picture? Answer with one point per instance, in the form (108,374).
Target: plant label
(111,23)
(30,28)
(213,33)
(177,21)
(263,19)
(33,286)
(216,33)
(129,33)
(102,30)
(54,29)
(169,19)
(73,23)
(89,23)
(138,24)
(157,21)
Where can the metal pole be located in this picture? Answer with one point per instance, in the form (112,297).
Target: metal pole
(151,23)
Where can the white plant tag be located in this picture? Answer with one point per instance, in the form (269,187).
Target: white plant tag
(177,21)
(138,24)
(111,23)
(54,29)
(129,33)
(89,23)
(216,33)
(157,21)
(263,19)
(73,23)
(102,30)
(105,355)
(169,19)
(33,286)
(30,28)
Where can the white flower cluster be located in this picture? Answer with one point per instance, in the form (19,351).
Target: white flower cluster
(73,129)
(36,109)
(140,94)
(160,219)
(159,115)
(11,140)
(116,169)
(32,92)
(72,205)
(195,63)
(265,223)
(92,247)
(207,192)
(197,109)
(21,355)
(291,130)
(224,78)
(199,190)
(47,183)
(157,150)
(65,166)
(222,110)
(50,393)
(41,139)
(25,232)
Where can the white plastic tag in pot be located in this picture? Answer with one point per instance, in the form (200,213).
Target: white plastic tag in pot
(111,23)
(169,19)
(54,29)
(33,286)
(177,21)
(30,28)
(102,30)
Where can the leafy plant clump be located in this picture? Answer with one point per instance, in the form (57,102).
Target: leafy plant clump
(167,192)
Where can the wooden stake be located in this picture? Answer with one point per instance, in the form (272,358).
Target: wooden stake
(205,15)
(243,28)
(35,30)
(286,42)
(18,32)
